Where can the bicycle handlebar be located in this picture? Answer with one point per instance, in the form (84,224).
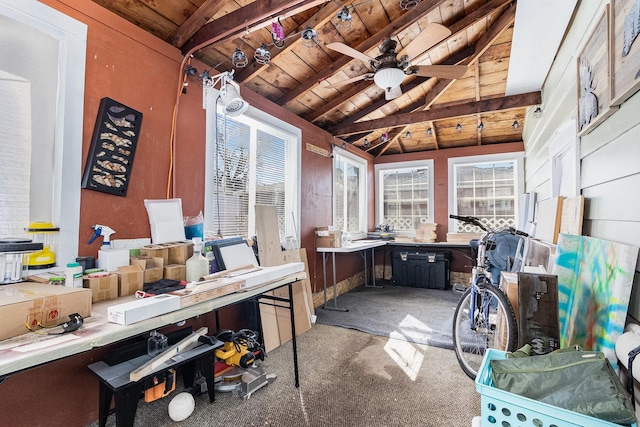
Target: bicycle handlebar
(470,220)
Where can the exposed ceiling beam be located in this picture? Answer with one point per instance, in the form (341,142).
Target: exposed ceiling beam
(476,107)
(324,15)
(501,24)
(481,13)
(255,15)
(195,21)
(399,24)
(484,43)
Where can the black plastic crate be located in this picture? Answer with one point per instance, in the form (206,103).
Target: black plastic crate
(420,269)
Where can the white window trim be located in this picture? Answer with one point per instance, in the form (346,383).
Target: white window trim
(379,168)
(517,157)
(67,157)
(362,191)
(258,119)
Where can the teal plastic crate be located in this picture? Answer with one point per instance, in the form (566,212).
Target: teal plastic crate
(504,409)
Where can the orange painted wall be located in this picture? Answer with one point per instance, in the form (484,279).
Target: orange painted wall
(141,71)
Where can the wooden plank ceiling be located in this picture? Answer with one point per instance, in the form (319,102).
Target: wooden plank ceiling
(431,114)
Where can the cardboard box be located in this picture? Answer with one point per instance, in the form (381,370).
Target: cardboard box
(180,252)
(130,279)
(102,288)
(30,303)
(156,251)
(141,309)
(175,272)
(328,237)
(208,290)
(152,266)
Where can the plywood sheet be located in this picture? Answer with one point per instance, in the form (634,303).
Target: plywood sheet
(572,214)
(548,216)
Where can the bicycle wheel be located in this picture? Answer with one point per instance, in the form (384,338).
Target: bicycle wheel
(494,327)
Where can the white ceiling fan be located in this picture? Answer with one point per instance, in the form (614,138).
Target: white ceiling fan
(390,69)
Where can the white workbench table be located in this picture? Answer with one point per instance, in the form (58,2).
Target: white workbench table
(30,350)
(356,246)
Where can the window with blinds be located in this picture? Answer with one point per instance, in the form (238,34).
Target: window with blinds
(256,163)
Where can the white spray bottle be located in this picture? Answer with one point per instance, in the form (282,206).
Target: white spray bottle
(105,232)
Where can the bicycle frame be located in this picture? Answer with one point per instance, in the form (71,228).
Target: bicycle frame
(479,274)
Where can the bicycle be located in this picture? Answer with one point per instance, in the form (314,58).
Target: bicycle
(484,318)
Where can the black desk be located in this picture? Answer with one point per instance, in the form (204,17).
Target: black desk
(114,380)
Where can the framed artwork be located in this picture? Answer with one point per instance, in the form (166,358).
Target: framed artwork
(625,48)
(113,145)
(594,77)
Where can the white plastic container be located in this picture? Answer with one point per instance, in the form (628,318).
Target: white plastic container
(73,275)
(197,266)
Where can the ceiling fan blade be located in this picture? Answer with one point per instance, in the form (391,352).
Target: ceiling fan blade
(349,51)
(351,80)
(429,37)
(441,71)
(392,93)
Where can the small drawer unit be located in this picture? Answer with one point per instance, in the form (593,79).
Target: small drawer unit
(420,269)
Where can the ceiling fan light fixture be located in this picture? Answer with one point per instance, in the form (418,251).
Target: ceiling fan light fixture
(388,78)
(309,37)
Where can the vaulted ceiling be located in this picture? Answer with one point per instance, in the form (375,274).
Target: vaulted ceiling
(437,110)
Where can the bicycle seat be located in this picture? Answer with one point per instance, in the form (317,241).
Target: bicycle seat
(474,243)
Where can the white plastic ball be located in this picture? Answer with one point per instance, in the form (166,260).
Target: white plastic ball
(181,406)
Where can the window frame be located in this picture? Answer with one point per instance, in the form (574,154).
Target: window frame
(254,118)
(362,165)
(379,188)
(69,117)
(517,157)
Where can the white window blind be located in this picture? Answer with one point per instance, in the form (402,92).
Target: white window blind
(256,163)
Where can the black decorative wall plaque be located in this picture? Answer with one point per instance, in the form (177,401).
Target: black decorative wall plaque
(113,145)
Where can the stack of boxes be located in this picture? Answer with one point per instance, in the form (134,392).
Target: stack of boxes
(155,262)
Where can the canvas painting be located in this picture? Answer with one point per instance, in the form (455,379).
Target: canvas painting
(594,286)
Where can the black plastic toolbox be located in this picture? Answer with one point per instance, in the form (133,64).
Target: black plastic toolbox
(420,269)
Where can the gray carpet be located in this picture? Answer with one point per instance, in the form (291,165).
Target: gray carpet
(416,315)
(347,378)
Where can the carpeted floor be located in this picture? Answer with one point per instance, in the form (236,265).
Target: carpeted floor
(417,315)
(347,378)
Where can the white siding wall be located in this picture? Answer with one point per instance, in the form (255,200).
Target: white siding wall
(609,156)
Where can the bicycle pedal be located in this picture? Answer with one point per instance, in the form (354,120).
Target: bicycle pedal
(458,288)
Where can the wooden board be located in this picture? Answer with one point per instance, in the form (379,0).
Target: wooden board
(571,216)
(304,309)
(172,351)
(268,246)
(548,216)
